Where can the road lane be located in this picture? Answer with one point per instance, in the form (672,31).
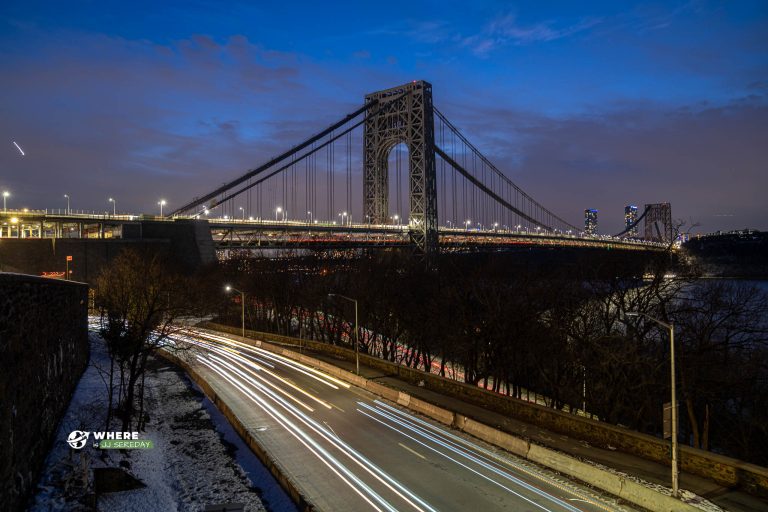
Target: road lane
(350,450)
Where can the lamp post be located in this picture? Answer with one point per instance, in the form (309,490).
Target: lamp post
(466,224)
(5,196)
(161,203)
(242,303)
(310,216)
(278,210)
(671,328)
(357,332)
(66,196)
(243,211)
(114,206)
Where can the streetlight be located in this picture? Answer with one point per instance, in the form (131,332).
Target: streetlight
(357,332)
(114,206)
(161,203)
(466,224)
(277,211)
(242,303)
(310,216)
(242,210)
(5,196)
(67,198)
(396,218)
(671,328)
(343,215)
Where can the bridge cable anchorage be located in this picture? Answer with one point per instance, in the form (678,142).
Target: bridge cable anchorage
(532,204)
(314,150)
(253,172)
(634,224)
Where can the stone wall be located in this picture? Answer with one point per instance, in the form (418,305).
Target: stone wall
(725,471)
(43,353)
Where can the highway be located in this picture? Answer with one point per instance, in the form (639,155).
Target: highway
(348,450)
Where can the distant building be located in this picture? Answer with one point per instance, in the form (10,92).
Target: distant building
(658,223)
(630,217)
(590,221)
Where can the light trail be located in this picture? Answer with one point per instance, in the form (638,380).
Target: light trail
(327,458)
(466,455)
(19,148)
(379,474)
(328,380)
(240,365)
(268,372)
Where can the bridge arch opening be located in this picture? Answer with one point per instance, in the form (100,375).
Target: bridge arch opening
(395,159)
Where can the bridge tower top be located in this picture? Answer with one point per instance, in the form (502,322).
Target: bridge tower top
(404,115)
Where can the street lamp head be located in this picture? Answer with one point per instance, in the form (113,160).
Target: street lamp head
(632,314)
(6,193)
(162,202)
(228,288)
(278,209)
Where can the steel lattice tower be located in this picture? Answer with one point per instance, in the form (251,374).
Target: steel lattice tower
(405,115)
(659,213)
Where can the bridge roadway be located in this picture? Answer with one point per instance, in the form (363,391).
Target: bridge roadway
(228,233)
(347,450)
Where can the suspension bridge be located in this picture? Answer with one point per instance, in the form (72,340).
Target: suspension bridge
(423,184)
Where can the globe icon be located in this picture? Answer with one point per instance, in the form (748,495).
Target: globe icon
(77,439)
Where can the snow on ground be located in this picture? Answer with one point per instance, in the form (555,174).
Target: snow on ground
(197,460)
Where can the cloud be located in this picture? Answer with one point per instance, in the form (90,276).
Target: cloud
(100,113)
(507,30)
(704,159)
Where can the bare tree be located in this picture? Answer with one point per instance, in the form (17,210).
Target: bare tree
(141,298)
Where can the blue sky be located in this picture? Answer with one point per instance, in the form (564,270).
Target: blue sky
(589,104)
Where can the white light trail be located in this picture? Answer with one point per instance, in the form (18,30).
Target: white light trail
(457,450)
(393,485)
(329,460)
(19,148)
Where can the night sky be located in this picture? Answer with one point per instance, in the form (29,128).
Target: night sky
(583,104)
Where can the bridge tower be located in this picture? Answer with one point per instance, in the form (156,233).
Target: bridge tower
(404,114)
(659,213)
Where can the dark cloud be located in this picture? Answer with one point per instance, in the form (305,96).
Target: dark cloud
(705,161)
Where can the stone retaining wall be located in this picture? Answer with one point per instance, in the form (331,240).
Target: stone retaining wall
(723,470)
(43,353)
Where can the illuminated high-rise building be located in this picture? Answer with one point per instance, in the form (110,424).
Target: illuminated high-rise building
(630,218)
(590,221)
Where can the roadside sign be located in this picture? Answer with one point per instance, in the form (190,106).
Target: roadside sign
(667,420)
(69,258)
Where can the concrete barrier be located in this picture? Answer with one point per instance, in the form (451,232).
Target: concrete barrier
(725,471)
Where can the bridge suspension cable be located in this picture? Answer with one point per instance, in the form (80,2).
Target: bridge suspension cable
(498,191)
(274,161)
